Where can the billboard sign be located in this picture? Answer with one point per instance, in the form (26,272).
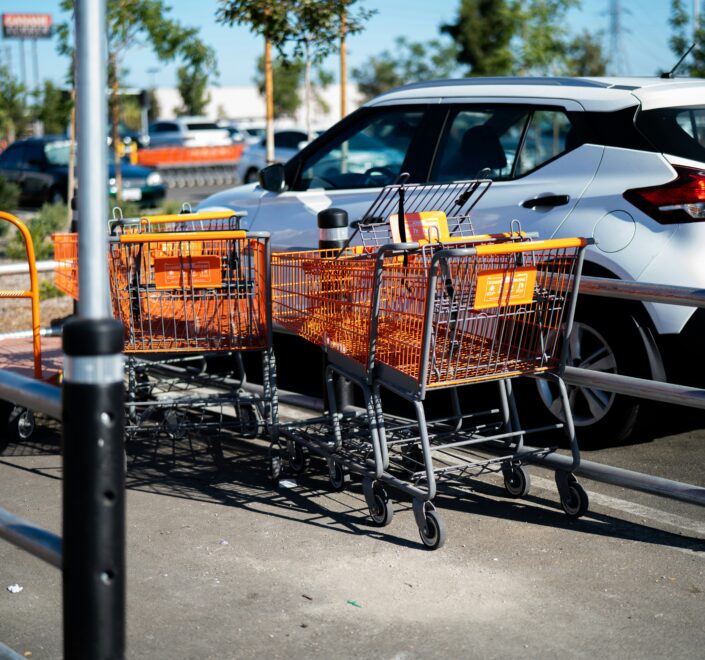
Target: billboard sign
(26,26)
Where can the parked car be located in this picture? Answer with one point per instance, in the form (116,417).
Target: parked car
(40,167)
(621,160)
(287,143)
(187,132)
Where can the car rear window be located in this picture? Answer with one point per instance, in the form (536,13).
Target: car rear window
(203,126)
(679,131)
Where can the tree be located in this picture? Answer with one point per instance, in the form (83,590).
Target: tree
(543,36)
(483,33)
(408,62)
(13,119)
(193,85)
(287,75)
(135,22)
(269,19)
(682,37)
(585,56)
(530,37)
(54,108)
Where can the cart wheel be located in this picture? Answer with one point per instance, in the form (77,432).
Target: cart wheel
(298,458)
(576,503)
(383,511)
(338,477)
(274,464)
(174,425)
(16,423)
(250,425)
(517,480)
(433,533)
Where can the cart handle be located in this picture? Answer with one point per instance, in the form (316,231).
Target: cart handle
(190,217)
(183,236)
(533,246)
(32,293)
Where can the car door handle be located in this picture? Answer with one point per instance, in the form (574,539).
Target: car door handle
(545,200)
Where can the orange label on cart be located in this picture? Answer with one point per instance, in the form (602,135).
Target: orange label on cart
(194,272)
(426,226)
(497,288)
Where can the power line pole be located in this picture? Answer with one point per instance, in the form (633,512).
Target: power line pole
(618,59)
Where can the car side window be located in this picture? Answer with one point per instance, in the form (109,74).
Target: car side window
(548,135)
(34,156)
(12,157)
(289,139)
(369,154)
(480,142)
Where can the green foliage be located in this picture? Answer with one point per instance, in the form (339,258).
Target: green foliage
(51,218)
(514,37)
(408,62)
(287,76)
(483,32)
(269,19)
(54,108)
(682,38)
(543,36)
(48,290)
(13,118)
(9,196)
(585,57)
(193,83)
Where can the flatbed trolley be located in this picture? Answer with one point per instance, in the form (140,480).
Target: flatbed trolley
(432,317)
(181,295)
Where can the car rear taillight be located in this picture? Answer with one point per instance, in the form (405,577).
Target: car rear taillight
(680,200)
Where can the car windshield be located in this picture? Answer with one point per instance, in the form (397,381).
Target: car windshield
(58,153)
(679,131)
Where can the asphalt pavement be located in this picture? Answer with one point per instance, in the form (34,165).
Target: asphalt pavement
(223,565)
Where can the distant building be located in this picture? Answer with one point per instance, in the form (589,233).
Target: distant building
(245,102)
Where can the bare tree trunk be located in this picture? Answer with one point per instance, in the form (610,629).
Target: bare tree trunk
(72,155)
(307,91)
(115,115)
(343,67)
(269,99)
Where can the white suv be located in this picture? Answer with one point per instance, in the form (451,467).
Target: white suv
(619,159)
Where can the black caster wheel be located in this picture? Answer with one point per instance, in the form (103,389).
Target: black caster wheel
(250,424)
(383,511)
(275,465)
(517,480)
(16,424)
(298,458)
(338,477)
(575,502)
(433,532)
(174,425)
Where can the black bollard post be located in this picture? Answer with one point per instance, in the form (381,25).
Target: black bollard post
(333,234)
(94,490)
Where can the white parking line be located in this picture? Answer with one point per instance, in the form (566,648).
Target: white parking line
(632,508)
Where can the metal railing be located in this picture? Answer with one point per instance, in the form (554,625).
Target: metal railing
(636,387)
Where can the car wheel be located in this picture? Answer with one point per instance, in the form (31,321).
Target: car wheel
(251,176)
(608,343)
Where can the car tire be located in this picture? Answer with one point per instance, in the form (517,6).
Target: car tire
(606,339)
(251,176)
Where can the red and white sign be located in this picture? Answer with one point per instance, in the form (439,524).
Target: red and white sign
(26,26)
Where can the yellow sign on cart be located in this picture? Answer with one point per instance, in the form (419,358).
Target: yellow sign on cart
(501,288)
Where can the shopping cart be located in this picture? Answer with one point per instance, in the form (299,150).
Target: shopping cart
(184,295)
(442,316)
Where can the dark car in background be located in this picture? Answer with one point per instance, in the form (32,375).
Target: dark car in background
(40,167)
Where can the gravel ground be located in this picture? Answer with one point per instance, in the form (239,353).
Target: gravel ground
(17,314)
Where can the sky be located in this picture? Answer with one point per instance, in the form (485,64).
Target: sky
(644,38)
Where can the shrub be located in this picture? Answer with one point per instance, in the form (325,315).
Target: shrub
(51,218)
(9,196)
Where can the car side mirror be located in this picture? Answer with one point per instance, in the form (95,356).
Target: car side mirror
(271,178)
